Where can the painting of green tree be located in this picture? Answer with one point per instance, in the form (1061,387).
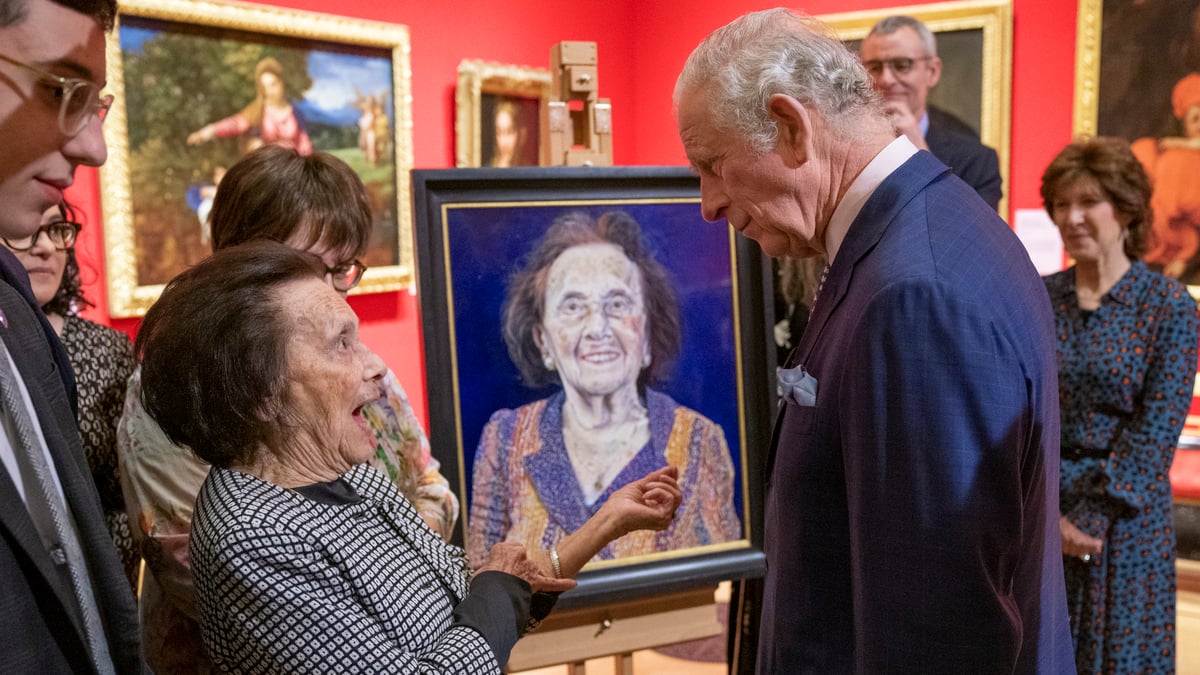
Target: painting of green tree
(198,98)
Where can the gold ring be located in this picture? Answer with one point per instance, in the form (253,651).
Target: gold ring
(1086,557)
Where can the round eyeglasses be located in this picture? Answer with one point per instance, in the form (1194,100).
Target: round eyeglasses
(899,66)
(77,99)
(346,275)
(61,233)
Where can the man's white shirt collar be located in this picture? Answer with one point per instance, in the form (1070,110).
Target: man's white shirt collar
(885,163)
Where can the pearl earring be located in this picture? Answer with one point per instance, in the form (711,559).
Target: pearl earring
(549,362)
(646,360)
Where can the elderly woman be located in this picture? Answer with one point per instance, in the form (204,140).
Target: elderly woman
(306,559)
(594,311)
(315,204)
(1127,341)
(101,357)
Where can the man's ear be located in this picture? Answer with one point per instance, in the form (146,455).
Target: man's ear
(795,125)
(935,71)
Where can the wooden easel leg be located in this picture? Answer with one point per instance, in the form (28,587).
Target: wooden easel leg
(623,664)
(577,668)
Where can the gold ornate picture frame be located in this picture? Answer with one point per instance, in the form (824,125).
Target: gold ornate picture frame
(975,44)
(497,113)
(199,83)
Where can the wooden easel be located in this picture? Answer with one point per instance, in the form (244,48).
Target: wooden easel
(618,630)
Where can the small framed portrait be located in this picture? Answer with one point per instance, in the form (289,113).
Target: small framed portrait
(199,84)
(974,42)
(497,114)
(584,327)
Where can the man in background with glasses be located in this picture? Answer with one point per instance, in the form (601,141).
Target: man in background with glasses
(65,606)
(900,53)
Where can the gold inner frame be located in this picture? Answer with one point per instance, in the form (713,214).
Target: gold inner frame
(126,297)
(476,78)
(994,18)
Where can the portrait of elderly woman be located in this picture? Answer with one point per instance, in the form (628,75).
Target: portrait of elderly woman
(592,313)
(306,559)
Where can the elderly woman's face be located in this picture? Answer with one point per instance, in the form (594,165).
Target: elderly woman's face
(594,327)
(330,377)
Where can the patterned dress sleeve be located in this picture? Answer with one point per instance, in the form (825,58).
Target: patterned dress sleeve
(402,452)
(489,500)
(1142,449)
(252,625)
(714,487)
(160,481)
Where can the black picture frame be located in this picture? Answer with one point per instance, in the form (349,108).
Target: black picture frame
(474,226)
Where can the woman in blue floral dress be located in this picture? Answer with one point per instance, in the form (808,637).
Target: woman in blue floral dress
(1127,342)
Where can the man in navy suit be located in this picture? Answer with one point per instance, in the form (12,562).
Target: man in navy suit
(65,604)
(900,52)
(912,481)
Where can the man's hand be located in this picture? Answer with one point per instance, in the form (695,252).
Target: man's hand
(905,122)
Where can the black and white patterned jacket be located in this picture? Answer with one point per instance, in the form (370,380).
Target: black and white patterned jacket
(285,584)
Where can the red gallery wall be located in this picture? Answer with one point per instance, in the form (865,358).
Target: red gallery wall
(642,45)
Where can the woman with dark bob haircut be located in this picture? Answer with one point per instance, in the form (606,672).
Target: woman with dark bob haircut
(593,312)
(1127,339)
(312,203)
(307,559)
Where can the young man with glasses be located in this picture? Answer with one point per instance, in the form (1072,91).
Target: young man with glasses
(66,606)
(900,53)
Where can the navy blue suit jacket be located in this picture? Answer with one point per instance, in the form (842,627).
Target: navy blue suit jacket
(911,518)
(958,146)
(39,618)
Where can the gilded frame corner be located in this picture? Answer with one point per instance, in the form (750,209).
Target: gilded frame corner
(477,78)
(127,296)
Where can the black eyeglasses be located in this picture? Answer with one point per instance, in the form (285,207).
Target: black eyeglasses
(899,66)
(346,275)
(62,234)
(77,99)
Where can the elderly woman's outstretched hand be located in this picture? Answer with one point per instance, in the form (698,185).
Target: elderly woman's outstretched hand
(648,503)
(511,558)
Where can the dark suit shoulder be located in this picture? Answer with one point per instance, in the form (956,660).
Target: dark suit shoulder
(957,145)
(950,122)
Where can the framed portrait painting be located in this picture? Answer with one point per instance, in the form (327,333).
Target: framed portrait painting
(497,114)
(1138,77)
(584,327)
(199,84)
(974,42)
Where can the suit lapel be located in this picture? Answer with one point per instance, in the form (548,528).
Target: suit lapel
(877,214)
(14,515)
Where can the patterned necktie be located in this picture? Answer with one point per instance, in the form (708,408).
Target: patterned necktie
(820,285)
(49,512)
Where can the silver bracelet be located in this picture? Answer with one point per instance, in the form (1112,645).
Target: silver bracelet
(554,562)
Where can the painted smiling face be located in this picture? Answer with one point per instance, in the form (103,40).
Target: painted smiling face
(594,330)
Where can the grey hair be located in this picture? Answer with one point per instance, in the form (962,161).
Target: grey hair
(776,51)
(891,24)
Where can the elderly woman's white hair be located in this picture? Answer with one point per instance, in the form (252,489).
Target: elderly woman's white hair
(777,51)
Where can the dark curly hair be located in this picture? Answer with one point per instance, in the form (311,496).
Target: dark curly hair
(69,299)
(1120,175)
(524,306)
